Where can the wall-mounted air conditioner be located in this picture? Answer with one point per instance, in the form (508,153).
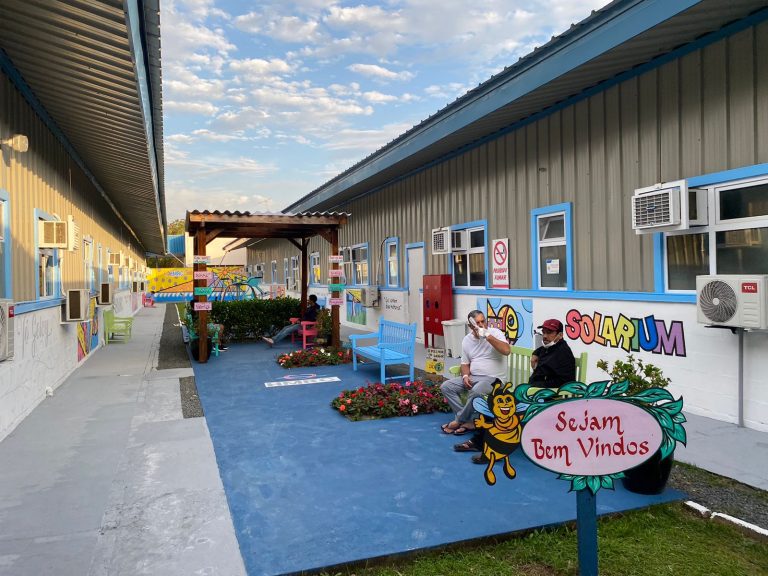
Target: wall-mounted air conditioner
(346,253)
(441,241)
(369,296)
(6,330)
(105,294)
(459,241)
(52,234)
(667,207)
(116,259)
(76,305)
(73,234)
(733,300)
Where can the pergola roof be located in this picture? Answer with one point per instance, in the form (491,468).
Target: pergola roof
(263,224)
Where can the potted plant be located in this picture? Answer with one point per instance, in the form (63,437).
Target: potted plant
(324,326)
(651,476)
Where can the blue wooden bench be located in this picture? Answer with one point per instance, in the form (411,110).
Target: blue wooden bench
(395,344)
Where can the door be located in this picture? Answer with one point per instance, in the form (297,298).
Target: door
(414,254)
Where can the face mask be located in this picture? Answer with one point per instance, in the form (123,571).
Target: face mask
(548,344)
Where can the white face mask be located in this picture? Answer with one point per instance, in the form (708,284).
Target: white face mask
(548,344)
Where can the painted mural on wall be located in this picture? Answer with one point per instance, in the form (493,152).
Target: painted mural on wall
(355,311)
(631,334)
(175,284)
(88,333)
(513,316)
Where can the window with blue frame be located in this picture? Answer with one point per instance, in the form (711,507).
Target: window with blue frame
(392,254)
(552,247)
(314,267)
(468,257)
(47,258)
(286,274)
(5,242)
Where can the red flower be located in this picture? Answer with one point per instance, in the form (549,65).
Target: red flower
(342,408)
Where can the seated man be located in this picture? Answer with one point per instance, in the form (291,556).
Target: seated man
(553,365)
(310,315)
(483,361)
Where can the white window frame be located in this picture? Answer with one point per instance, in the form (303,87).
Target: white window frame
(90,279)
(716,224)
(389,260)
(563,241)
(314,268)
(5,244)
(468,252)
(40,272)
(358,263)
(274,271)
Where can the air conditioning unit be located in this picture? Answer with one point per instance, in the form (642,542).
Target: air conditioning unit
(115,259)
(73,234)
(369,296)
(76,305)
(733,300)
(347,254)
(459,241)
(52,234)
(6,330)
(105,294)
(135,286)
(667,207)
(441,241)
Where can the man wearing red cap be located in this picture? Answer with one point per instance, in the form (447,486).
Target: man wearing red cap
(553,363)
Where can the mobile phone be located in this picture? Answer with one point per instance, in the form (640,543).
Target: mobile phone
(473,324)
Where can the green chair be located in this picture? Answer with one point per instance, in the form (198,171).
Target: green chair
(116,328)
(213,333)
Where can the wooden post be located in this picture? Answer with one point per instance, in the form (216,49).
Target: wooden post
(304,277)
(202,316)
(335,335)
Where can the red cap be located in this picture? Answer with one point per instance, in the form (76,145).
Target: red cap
(552,324)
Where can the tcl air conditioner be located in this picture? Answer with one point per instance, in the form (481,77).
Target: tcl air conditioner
(6,330)
(105,294)
(441,241)
(76,305)
(733,300)
(52,234)
(667,207)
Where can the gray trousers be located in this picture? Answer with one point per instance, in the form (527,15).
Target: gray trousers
(453,388)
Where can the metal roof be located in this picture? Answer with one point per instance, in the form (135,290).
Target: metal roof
(621,36)
(91,70)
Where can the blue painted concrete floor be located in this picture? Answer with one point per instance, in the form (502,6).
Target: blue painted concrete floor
(309,489)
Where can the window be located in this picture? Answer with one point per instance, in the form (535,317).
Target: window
(274,271)
(5,242)
(392,252)
(285,273)
(469,266)
(90,279)
(99,265)
(735,241)
(359,261)
(47,264)
(110,268)
(295,272)
(314,266)
(552,249)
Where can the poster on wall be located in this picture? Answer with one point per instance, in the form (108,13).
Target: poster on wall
(513,316)
(500,267)
(355,311)
(88,333)
(175,284)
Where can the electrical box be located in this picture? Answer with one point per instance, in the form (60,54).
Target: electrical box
(438,304)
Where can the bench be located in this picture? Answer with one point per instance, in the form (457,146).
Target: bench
(395,344)
(519,366)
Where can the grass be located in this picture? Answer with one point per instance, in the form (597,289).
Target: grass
(657,541)
(182,308)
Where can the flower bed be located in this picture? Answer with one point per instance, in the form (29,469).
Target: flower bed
(388,400)
(315,357)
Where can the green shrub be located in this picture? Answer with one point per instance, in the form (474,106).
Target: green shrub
(243,319)
(641,376)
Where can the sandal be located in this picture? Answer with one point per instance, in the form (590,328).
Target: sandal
(461,430)
(467,446)
(448,429)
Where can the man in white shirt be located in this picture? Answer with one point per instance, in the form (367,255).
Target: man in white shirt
(483,361)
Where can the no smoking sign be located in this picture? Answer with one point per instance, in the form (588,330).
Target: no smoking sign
(500,269)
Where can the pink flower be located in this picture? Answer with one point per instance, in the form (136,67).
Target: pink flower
(342,408)
(415,408)
(349,401)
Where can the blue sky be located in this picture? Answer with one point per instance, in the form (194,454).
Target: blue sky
(266,101)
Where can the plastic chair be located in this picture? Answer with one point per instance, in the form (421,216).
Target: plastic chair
(116,326)
(147,301)
(308,333)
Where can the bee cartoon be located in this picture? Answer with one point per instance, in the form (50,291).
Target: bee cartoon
(501,435)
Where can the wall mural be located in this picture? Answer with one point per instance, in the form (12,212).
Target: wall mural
(513,316)
(88,333)
(175,284)
(632,334)
(355,311)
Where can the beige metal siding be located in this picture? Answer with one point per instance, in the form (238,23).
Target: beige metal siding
(702,113)
(46,178)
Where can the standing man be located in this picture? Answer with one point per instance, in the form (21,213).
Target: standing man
(553,363)
(483,361)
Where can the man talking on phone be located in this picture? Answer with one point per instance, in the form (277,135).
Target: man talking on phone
(483,362)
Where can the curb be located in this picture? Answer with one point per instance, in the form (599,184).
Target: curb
(705,512)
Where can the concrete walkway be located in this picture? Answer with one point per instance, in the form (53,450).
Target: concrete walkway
(106,477)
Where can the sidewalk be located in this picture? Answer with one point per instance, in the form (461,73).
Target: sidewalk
(106,477)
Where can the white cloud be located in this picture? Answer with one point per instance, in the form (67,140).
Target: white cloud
(284,28)
(190,107)
(379,72)
(365,141)
(258,69)
(379,98)
(211,136)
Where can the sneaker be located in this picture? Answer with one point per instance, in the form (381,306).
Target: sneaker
(480,459)
(268,341)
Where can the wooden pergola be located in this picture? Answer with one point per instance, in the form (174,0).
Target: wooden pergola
(295,228)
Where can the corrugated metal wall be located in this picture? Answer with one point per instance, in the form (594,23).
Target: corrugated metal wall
(46,178)
(702,113)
